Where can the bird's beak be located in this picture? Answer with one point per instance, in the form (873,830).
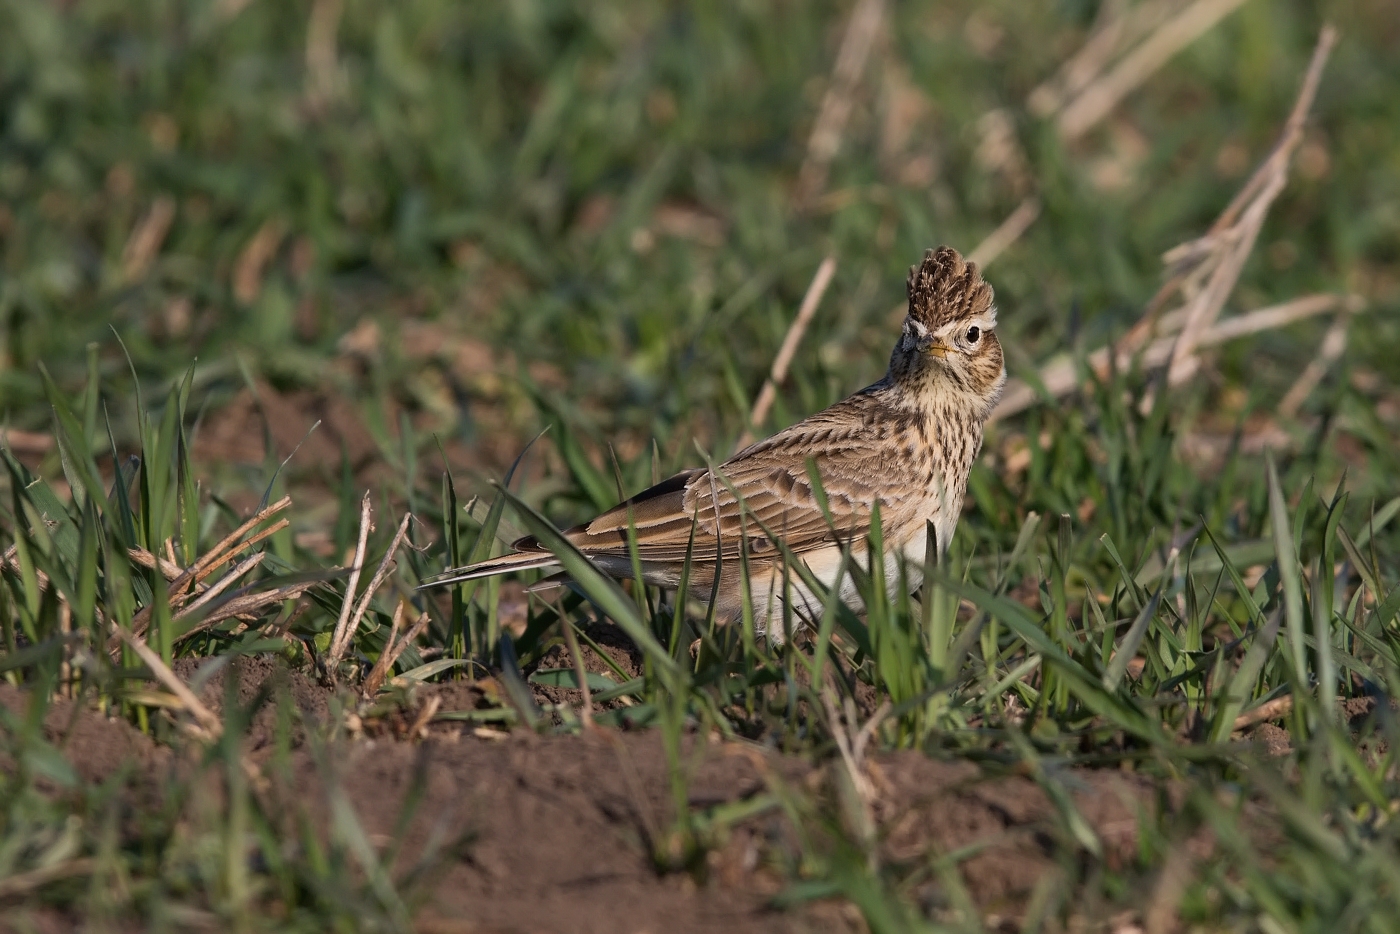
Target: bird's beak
(932,345)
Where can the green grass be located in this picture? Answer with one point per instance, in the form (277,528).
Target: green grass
(505,173)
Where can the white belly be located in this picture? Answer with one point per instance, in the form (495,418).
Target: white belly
(903,570)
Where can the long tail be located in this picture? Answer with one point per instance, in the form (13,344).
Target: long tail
(519,561)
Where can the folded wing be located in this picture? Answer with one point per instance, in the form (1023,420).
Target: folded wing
(765,491)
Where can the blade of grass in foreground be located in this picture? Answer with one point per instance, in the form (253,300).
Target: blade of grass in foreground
(1128,650)
(1287,556)
(1240,686)
(600,588)
(1078,681)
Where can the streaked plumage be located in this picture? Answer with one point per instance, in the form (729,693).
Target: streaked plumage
(907,441)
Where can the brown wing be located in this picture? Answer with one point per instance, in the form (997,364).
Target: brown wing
(849,444)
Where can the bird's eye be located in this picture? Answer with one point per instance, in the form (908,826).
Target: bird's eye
(973,334)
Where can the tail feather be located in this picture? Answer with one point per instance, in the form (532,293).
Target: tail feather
(518,561)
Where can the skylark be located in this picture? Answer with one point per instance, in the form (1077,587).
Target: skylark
(906,442)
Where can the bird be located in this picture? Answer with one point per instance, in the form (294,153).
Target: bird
(904,445)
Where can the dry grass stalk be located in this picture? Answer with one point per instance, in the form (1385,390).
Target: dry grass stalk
(356,565)
(381,666)
(1222,252)
(146,238)
(419,729)
(1007,232)
(1087,97)
(65,668)
(25,882)
(1333,344)
(221,552)
(788,349)
(1061,376)
(146,559)
(386,564)
(248,270)
(1163,914)
(208,726)
(208,566)
(420,626)
(1272,710)
(324,81)
(1099,98)
(1118,28)
(822,145)
(183,579)
(227,581)
(393,649)
(852,741)
(180,578)
(1205,271)
(227,10)
(246,604)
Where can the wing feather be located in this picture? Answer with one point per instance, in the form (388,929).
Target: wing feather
(766,486)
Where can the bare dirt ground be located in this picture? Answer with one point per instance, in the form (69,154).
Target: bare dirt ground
(543,829)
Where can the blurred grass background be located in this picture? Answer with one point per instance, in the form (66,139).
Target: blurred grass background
(457,223)
(470,219)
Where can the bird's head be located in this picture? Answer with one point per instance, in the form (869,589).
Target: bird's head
(949,342)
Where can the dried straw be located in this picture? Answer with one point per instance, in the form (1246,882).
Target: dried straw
(825,140)
(788,349)
(1204,272)
(338,636)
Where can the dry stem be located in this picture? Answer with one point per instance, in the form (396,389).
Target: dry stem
(1333,344)
(393,650)
(216,555)
(1060,377)
(1272,710)
(25,882)
(385,565)
(381,666)
(1098,99)
(825,140)
(209,566)
(1205,271)
(1118,29)
(146,239)
(324,80)
(788,349)
(1233,234)
(851,740)
(419,729)
(243,604)
(227,581)
(356,564)
(181,579)
(1007,232)
(209,726)
(1097,95)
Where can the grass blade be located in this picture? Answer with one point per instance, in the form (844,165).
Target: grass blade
(1127,651)
(1240,686)
(1286,553)
(600,588)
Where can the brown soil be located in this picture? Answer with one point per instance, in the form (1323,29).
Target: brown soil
(94,745)
(565,827)
(234,433)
